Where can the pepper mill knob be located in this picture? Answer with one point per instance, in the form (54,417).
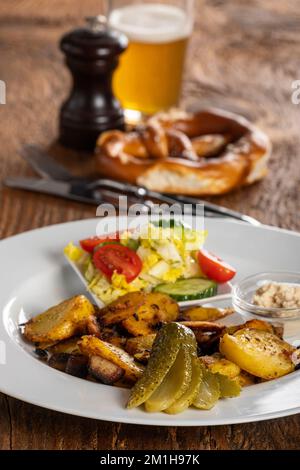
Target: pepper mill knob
(92,54)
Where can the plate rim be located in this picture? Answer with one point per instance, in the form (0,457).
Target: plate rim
(93,219)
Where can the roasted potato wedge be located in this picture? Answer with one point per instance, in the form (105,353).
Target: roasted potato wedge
(246,379)
(140,347)
(157,308)
(46,345)
(116,340)
(113,336)
(106,333)
(92,346)
(68,346)
(225,367)
(204,326)
(93,326)
(61,321)
(258,352)
(204,313)
(216,363)
(209,359)
(105,371)
(122,308)
(207,333)
(256,324)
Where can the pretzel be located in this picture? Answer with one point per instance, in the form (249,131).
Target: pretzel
(207,153)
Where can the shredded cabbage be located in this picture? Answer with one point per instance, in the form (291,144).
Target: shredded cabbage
(167,254)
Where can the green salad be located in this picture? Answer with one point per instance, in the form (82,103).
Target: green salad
(153,258)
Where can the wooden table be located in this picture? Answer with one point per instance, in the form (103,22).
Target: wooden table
(244,56)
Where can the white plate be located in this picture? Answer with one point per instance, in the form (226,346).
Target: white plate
(36,275)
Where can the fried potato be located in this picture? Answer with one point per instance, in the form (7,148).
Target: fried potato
(157,308)
(255,324)
(276,328)
(216,363)
(258,325)
(106,333)
(92,346)
(45,345)
(140,347)
(204,326)
(245,379)
(122,308)
(258,352)
(119,341)
(225,367)
(139,344)
(207,333)
(61,321)
(93,326)
(205,313)
(112,335)
(69,346)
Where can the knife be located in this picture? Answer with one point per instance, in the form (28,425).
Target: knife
(46,167)
(72,190)
(69,190)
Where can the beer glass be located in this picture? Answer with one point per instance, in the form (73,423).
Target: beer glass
(149,75)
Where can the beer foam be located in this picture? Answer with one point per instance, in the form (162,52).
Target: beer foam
(151,23)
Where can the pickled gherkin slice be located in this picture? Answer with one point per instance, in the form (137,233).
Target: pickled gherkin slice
(183,402)
(228,387)
(175,383)
(165,349)
(209,391)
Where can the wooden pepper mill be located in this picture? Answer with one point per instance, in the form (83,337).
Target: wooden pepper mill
(92,55)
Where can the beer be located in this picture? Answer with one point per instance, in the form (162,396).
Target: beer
(149,76)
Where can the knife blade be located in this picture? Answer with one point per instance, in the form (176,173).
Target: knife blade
(63,189)
(73,191)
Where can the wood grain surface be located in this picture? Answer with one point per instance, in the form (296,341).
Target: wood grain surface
(244,56)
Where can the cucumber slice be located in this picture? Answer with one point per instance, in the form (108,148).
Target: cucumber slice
(175,383)
(189,289)
(209,391)
(187,398)
(228,387)
(166,346)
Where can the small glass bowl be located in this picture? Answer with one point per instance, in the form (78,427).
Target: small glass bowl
(243,292)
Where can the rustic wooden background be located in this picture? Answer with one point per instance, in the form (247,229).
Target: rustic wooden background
(244,55)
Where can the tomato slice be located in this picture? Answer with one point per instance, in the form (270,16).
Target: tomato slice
(89,244)
(214,267)
(119,258)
